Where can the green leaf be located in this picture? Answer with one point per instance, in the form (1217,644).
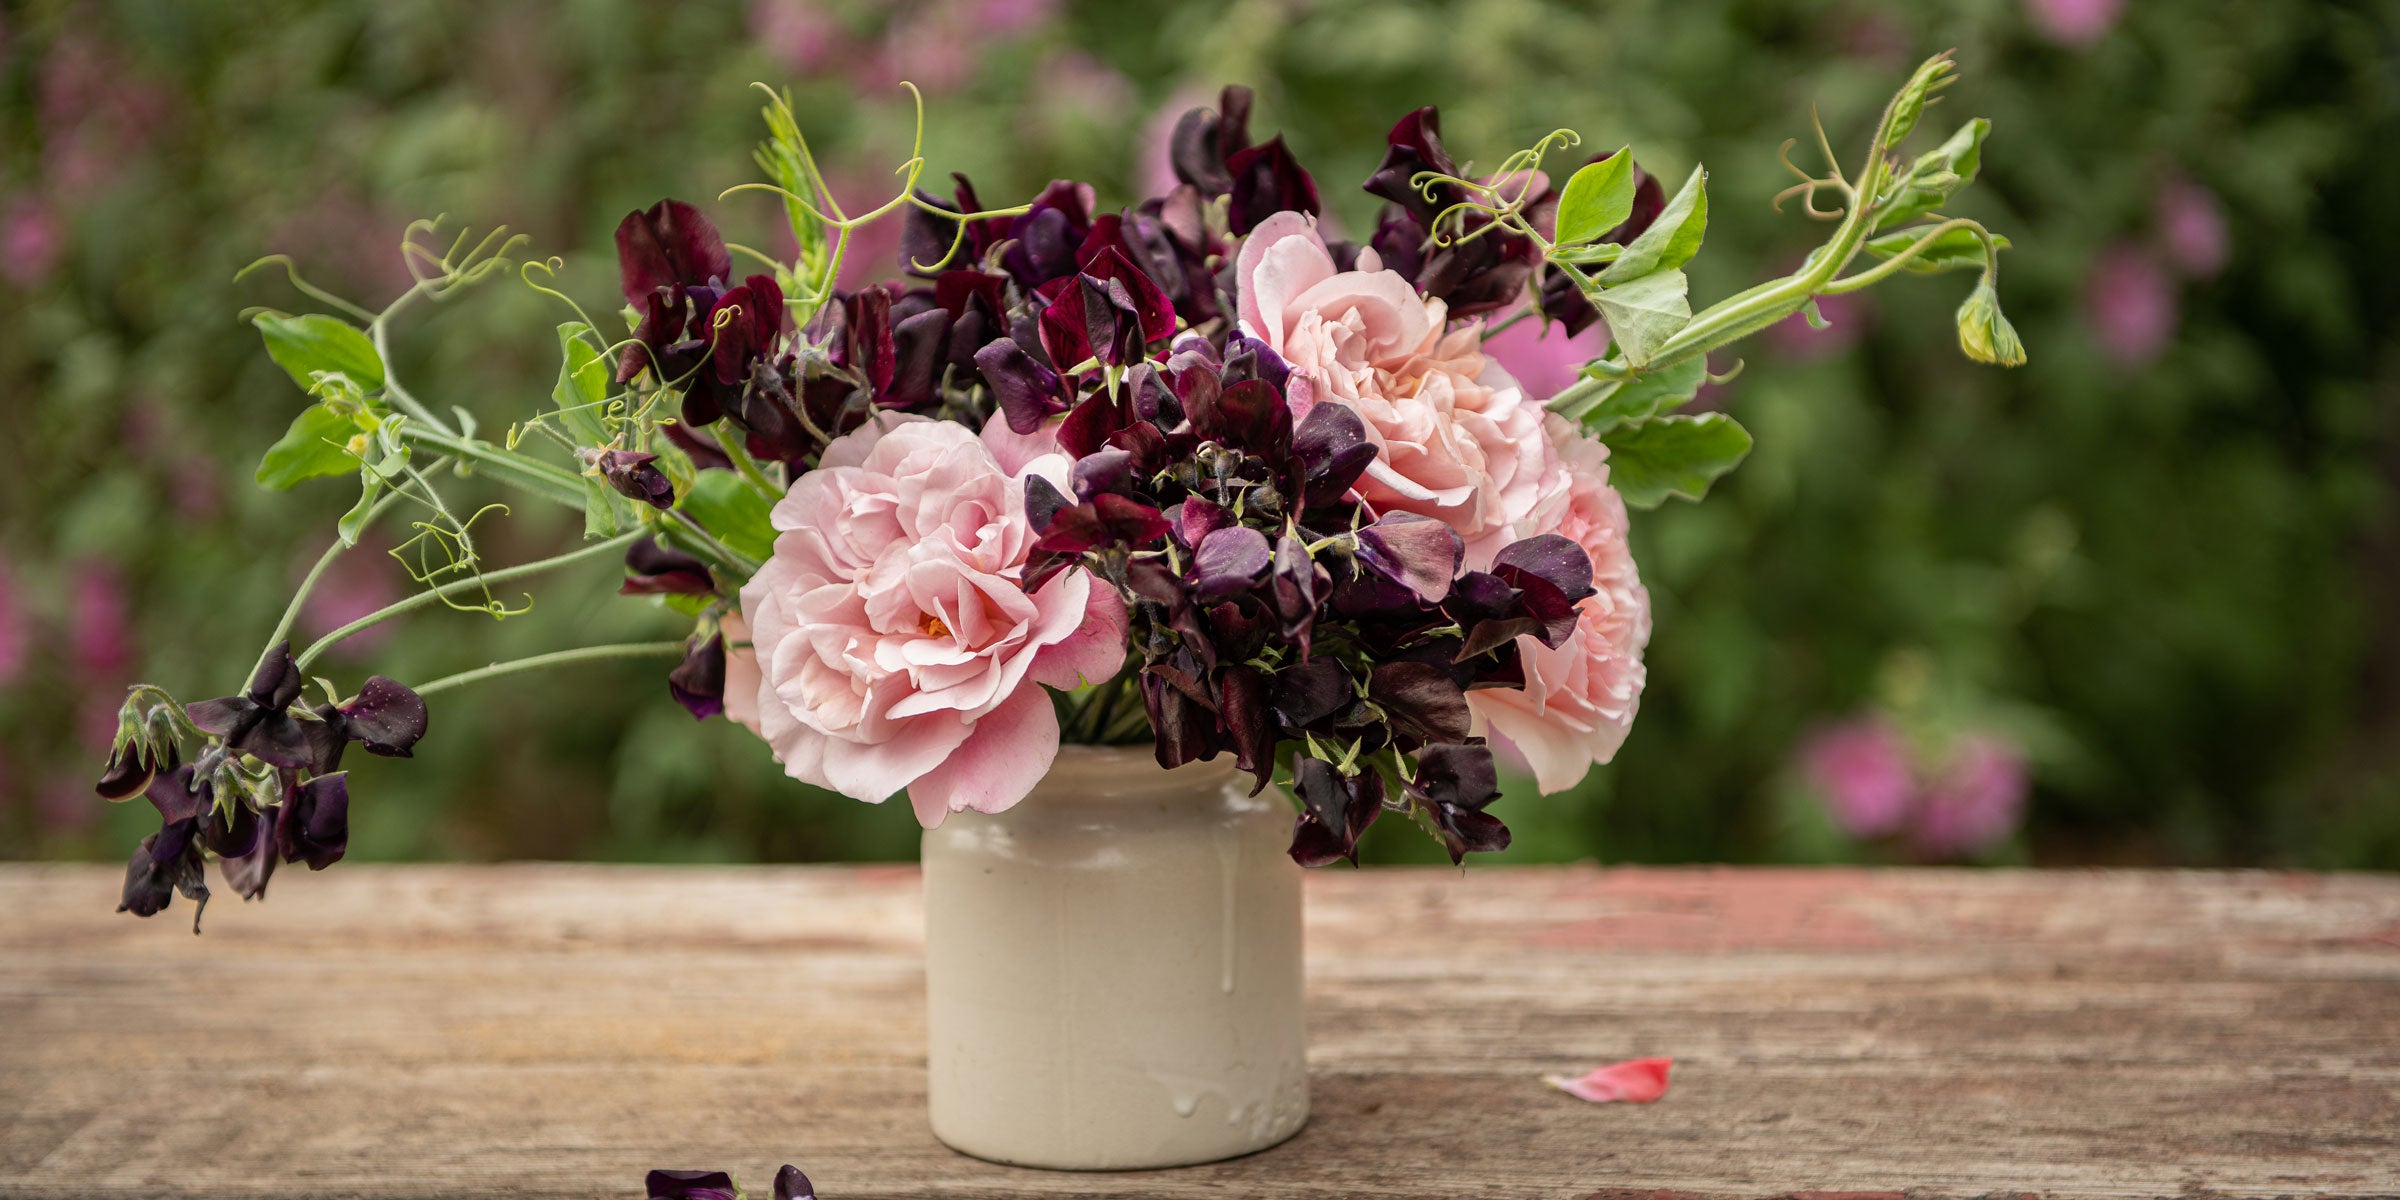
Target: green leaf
(582,387)
(1931,76)
(1645,312)
(354,522)
(316,445)
(1951,250)
(600,515)
(1645,396)
(1598,198)
(313,342)
(1673,456)
(1937,175)
(728,507)
(1671,240)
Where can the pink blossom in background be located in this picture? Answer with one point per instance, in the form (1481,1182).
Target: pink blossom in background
(1634,1081)
(1975,801)
(355,585)
(1543,356)
(1077,82)
(14,637)
(31,243)
(1154,164)
(66,804)
(1845,323)
(1861,771)
(800,34)
(2130,306)
(2076,24)
(1002,18)
(99,628)
(2191,226)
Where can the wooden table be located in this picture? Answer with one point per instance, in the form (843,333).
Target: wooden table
(558,1030)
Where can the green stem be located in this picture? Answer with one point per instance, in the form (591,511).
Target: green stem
(379,332)
(1739,316)
(1899,262)
(692,537)
(308,583)
(509,467)
(431,595)
(555,659)
(742,462)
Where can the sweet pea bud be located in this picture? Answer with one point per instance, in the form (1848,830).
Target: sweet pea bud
(1984,333)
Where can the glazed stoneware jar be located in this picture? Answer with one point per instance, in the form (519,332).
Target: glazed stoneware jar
(1113,969)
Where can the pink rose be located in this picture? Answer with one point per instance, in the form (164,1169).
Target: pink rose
(1579,699)
(1457,439)
(893,644)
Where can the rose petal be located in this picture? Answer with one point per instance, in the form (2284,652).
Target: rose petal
(1635,1081)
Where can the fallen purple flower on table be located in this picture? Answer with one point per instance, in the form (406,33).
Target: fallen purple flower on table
(790,1184)
(1635,1081)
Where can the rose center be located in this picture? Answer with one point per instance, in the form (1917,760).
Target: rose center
(932,626)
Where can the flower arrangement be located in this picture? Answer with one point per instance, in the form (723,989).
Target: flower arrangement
(1196,473)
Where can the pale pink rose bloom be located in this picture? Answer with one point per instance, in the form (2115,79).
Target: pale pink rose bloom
(1975,801)
(895,648)
(1542,356)
(1579,699)
(741,672)
(1015,451)
(2191,224)
(2131,306)
(1456,438)
(2074,23)
(1860,772)
(1634,1081)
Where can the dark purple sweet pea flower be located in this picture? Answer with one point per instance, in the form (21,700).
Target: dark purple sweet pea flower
(652,569)
(1334,811)
(692,1185)
(1229,560)
(1416,552)
(1249,415)
(1314,690)
(1027,391)
(666,246)
(256,722)
(1298,588)
(1204,139)
(698,683)
(635,474)
(790,1184)
(180,795)
(1183,725)
(1424,703)
(1551,574)
(386,717)
(313,825)
(1045,239)
(1267,180)
(131,767)
(1332,449)
(166,862)
(1109,310)
(1454,783)
(1415,145)
(247,874)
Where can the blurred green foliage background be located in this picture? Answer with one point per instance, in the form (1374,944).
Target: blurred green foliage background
(2160,562)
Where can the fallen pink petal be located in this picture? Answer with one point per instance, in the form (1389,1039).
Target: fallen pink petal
(1634,1081)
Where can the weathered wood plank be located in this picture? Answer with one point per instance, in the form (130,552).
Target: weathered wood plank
(554,1031)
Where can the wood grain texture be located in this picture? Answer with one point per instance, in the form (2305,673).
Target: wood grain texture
(555,1031)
